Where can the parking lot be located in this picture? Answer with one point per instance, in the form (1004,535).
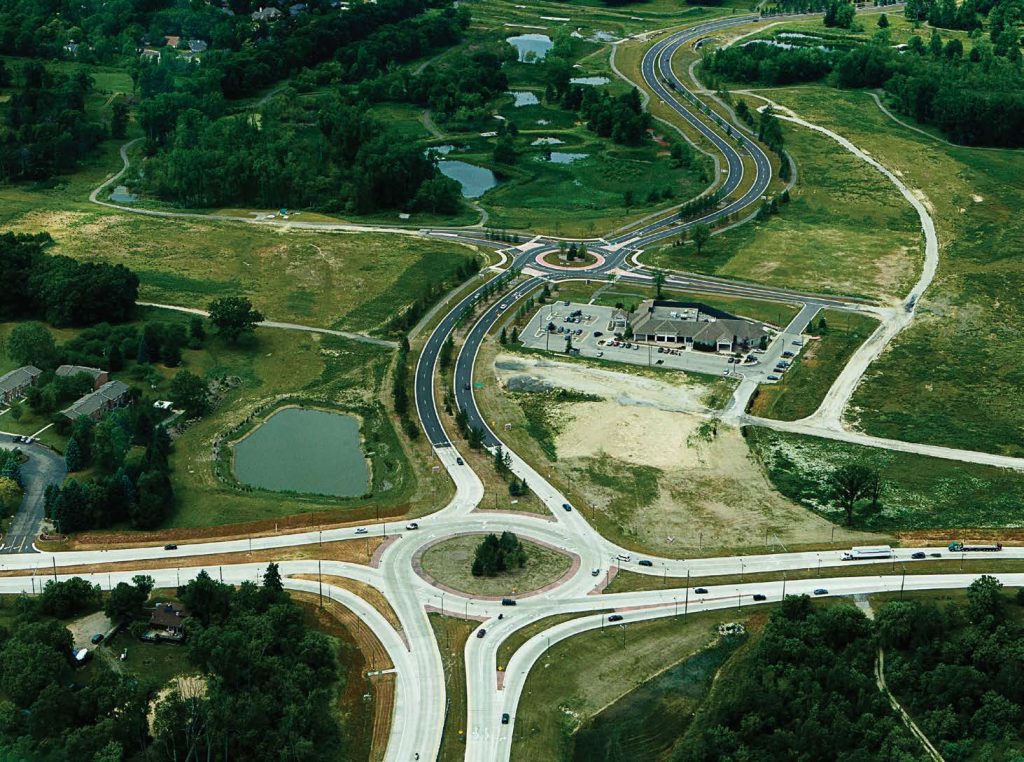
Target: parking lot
(590,330)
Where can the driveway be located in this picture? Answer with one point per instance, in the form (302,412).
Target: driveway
(43,467)
(84,628)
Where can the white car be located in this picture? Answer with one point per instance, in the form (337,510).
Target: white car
(362,530)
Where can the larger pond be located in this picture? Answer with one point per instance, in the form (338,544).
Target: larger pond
(475,181)
(299,450)
(531,47)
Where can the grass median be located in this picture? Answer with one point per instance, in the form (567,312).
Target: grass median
(450,562)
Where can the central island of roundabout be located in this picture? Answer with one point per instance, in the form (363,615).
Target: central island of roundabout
(554,260)
(448,564)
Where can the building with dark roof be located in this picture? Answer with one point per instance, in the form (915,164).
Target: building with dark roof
(697,326)
(99,377)
(14,383)
(95,405)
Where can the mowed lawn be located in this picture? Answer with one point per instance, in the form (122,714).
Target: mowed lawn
(845,231)
(954,377)
(450,563)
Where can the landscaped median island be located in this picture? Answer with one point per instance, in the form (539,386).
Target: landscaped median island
(450,563)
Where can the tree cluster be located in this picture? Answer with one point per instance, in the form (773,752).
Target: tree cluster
(977,99)
(956,669)
(805,690)
(271,680)
(400,391)
(46,130)
(495,555)
(60,290)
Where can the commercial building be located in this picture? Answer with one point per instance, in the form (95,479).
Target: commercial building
(692,325)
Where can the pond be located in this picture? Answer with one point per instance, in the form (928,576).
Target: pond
(531,47)
(299,450)
(443,150)
(547,142)
(589,81)
(475,181)
(559,157)
(524,98)
(121,195)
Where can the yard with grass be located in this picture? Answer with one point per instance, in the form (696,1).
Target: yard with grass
(918,492)
(805,384)
(451,635)
(579,677)
(450,562)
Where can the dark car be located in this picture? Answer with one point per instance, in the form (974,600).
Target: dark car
(97,638)
(935,555)
(645,562)
(918,554)
(480,633)
(820,591)
(760,597)
(170,546)
(508,601)
(615,618)
(466,387)
(504,718)
(566,506)
(460,461)
(701,591)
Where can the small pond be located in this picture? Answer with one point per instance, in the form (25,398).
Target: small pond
(531,47)
(560,157)
(524,98)
(475,181)
(121,195)
(547,142)
(299,450)
(589,81)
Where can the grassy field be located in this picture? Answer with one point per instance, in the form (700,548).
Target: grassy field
(845,231)
(449,563)
(577,678)
(919,493)
(805,384)
(950,378)
(451,635)
(513,642)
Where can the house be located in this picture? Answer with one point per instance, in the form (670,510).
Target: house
(172,40)
(298,8)
(696,326)
(113,394)
(14,383)
(150,54)
(167,622)
(99,377)
(197,46)
(269,13)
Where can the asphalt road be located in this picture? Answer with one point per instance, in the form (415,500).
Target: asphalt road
(42,468)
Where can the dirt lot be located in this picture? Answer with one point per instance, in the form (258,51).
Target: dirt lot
(83,629)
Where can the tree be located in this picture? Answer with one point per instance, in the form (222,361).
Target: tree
(31,344)
(272,579)
(659,281)
(126,602)
(985,600)
(701,235)
(850,483)
(883,21)
(110,443)
(188,392)
(505,150)
(73,459)
(233,316)
(118,119)
(10,496)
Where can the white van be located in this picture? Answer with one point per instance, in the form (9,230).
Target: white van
(623,557)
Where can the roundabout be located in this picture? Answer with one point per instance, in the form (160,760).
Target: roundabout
(591,261)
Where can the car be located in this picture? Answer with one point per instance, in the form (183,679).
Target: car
(595,572)
(600,354)
(598,334)
(460,461)
(798,342)
(566,507)
(820,591)
(787,353)
(504,718)
(16,438)
(170,546)
(725,372)
(97,638)
(760,597)
(466,387)
(508,601)
(502,307)
(615,618)
(623,556)
(636,346)
(645,562)
(362,530)
(919,554)
(412,525)
(935,555)
(773,378)
(700,590)
(481,632)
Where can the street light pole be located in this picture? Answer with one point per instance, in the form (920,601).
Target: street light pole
(783,585)
(442,603)
(686,604)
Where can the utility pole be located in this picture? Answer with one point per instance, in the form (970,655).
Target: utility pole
(320,577)
(686,604)
(623,635)
(903,581)
(783,585)
(55,568)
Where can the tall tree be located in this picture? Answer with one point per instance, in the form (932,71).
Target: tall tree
(233,316)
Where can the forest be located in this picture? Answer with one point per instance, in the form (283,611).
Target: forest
(975,99)
(60,290)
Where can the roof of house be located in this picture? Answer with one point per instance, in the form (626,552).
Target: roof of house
(74,370)
(168,615)
(695,321)
(172,40)
(19,377)
(265,14)
(112,391)
(197,46)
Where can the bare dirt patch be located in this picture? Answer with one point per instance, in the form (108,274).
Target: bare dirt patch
(84,628)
